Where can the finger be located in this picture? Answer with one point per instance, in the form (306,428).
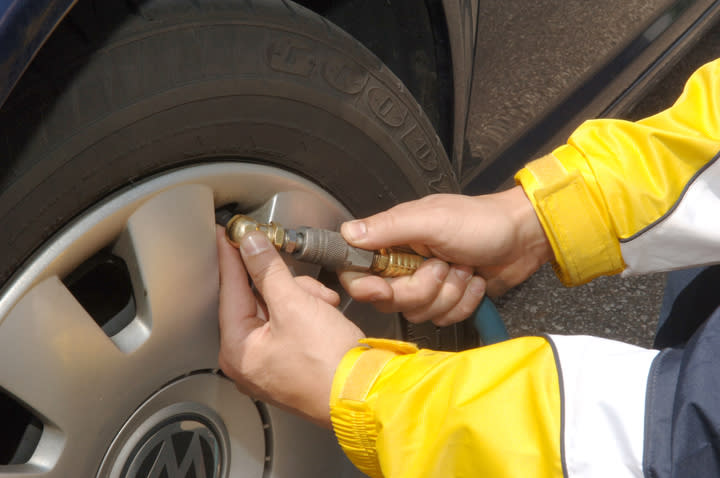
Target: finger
(317,289)
(238,306)
(450,294)
(364,287)
(269,273)
(418,290)
(501,279)
(403,224)
(474,293)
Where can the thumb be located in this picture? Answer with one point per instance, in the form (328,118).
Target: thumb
(271,276)
(406,223)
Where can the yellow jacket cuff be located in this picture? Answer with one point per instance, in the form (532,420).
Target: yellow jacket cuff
(571,210)
(353,421)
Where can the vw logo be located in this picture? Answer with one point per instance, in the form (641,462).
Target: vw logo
(179,447)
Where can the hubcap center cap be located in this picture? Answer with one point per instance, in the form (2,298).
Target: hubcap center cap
(180,443)
(198,426)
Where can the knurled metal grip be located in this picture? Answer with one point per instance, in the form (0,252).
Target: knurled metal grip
(329,249)
(394,263)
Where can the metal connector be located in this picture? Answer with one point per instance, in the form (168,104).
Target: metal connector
(395,263)
(240,225)
(326,248)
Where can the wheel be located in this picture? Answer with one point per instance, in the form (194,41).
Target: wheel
(127,131)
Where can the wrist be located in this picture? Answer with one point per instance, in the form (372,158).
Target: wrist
(529,230)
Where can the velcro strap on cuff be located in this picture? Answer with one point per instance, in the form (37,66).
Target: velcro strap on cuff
(577,227)
(353,420)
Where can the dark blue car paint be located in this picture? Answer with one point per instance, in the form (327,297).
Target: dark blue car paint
(24,27)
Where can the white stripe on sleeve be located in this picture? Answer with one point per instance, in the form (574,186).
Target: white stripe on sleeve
(604,387)
(688,236)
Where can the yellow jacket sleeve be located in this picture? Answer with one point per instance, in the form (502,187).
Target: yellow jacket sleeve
(533,407)
(494,411)
(623,196)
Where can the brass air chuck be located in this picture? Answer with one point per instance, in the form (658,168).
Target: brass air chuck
(326,248)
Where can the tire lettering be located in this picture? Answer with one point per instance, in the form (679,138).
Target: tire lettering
(345,77)
(439,184)
(387,107)
(291,57)
(420,148)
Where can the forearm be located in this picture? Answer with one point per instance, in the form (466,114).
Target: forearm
(635,197)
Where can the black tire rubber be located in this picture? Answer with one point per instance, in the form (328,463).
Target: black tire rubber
(124,90)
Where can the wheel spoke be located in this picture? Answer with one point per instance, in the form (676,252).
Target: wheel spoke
(23,471)
(372,322)
(84,382)
(169,245)
(55,356)
(62,366)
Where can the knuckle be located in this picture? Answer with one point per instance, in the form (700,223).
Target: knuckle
(465,309)
(426,295)
(268,271)
(452,295)
(387,221)
(423,290)
(307,282)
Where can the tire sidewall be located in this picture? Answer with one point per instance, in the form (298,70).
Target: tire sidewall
(273,84)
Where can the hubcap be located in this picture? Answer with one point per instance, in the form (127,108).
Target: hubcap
(179,444)
(189,428)
(118,388)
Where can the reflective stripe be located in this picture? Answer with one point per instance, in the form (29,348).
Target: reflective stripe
(604,387)
(688,235)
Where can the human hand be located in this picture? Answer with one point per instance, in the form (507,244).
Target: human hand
(284,345)
(478,244)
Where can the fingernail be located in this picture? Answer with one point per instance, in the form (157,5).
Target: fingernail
(254,243)
(378,296)
(355,230)
(440,269)
(463,274)
(477,286)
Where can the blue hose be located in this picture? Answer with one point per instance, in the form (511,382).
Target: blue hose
(489,324)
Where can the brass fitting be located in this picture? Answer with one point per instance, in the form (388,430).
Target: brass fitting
(326,248)
(240,225)
(395,263)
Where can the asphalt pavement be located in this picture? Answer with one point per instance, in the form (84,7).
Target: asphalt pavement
(613,307)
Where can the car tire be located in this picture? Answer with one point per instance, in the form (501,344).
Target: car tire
(125,93)
(129,90)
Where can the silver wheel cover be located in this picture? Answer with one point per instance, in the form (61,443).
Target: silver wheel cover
(101,399)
